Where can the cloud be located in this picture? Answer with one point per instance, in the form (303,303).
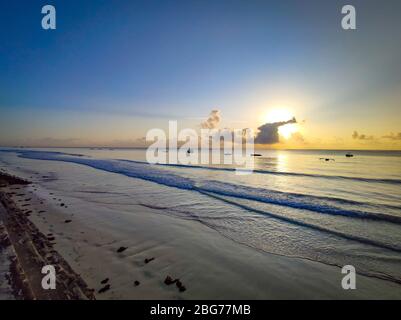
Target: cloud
(268,133)
(358,136)
(298,138)
(393,136)
(213,121)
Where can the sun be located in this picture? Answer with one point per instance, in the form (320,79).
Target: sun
(287,130)
(282,114)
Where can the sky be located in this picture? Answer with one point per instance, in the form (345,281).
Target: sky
(112,70)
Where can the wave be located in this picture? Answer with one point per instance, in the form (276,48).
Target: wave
(309,225)
(146,171)
(323,205)
(280,173)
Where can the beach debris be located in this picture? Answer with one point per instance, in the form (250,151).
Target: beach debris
(349,155)
(169,280)
(121,249)
(104,289)
(327,159)
(67,221)
(62,204)
(256,155)
(104,281)
(136,283)
(149,260)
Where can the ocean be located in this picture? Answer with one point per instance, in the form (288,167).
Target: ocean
(345,211)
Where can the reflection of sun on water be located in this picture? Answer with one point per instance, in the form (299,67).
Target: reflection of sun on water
(279,115)
(281,162)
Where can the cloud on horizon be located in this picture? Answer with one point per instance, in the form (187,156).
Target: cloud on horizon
(268,133)
(358,136)
(393,136)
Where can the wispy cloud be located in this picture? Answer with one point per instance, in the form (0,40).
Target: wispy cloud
(393,136)
(213,121)
(357,136)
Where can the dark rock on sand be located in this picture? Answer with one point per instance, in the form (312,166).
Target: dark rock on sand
(67,221)
(105,288)
(104,281)
(136,283)
(121,249)
(149,260)
(62,204)
(169,280)
(180,286)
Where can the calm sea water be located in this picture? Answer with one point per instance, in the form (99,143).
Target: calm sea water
(338,212)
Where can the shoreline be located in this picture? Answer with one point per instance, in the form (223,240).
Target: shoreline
(207,264)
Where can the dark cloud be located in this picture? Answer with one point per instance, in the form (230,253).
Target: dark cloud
(358,136)
(393,136)
(268,133)
(213,121)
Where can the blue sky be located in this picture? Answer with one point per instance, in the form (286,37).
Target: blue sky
(113,69)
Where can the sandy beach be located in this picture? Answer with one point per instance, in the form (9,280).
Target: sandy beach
(119,248)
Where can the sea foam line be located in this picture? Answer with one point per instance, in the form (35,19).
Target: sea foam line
(142,171)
